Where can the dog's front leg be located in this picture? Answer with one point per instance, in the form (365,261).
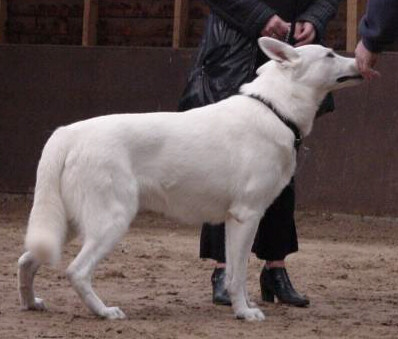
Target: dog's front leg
(239,240)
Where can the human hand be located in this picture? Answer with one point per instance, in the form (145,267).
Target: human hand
(304,33)
(276,28)
(366,60)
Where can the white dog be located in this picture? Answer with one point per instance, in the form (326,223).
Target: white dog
(224,162)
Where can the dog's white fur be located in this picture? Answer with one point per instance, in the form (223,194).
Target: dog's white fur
(223,162)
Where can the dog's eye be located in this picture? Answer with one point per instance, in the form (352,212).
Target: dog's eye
(330,55)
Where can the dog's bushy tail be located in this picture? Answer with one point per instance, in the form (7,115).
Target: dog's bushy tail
(47,225)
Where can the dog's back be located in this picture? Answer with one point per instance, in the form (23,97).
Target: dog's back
(189,166)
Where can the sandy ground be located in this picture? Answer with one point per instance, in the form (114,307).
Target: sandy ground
(346,265)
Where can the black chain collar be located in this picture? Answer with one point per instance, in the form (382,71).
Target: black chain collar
(286,121)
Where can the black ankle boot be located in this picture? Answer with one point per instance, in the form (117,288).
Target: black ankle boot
(220,294)
(275,282)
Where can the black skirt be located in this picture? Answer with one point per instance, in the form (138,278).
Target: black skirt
(276,235)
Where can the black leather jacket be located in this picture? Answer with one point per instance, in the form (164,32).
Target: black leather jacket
(228,55)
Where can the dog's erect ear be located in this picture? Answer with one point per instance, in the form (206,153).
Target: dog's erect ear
(279,51)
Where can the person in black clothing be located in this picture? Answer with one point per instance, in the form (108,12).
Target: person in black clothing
(228,57)
(378,28)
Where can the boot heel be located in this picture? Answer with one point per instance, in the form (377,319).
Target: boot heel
(220,294)
(268,296)
(275,282)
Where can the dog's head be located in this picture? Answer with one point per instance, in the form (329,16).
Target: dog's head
(311,65)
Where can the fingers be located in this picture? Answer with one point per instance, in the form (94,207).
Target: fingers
(372,74)
(298,30)
(305,33)
(281,29)
(306,40)
(367,72)
(276,28)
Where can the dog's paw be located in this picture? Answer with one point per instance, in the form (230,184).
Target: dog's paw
(251,304)
(251,314)
(113,313)
(38,305)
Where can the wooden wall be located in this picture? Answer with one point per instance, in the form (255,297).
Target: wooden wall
(120,22)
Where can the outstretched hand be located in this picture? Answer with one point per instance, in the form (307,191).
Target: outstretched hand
(366,60)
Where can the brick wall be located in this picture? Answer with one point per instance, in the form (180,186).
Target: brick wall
(45,22)
(140,23)
(146,22)
(127,22)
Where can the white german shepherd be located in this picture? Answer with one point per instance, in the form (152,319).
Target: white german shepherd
(224,162)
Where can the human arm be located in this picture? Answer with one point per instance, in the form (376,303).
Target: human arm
(379,26)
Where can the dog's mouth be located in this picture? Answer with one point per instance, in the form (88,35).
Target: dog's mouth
(349,77)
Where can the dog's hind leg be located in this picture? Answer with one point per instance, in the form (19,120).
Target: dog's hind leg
(106,220)
(239,239)
(94,249)
(80,271)
(27,268)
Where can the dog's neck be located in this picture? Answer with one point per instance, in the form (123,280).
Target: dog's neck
(296,102)
(293,127)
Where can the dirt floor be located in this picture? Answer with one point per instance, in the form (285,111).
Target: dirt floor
(346,265)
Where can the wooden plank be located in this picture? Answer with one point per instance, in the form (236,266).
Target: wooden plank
(355,11)
(90,20)
(181,14)
(3,20)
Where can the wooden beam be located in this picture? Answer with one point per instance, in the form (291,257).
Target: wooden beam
(355,11)
(90,20)
(181,15)
(3,21)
